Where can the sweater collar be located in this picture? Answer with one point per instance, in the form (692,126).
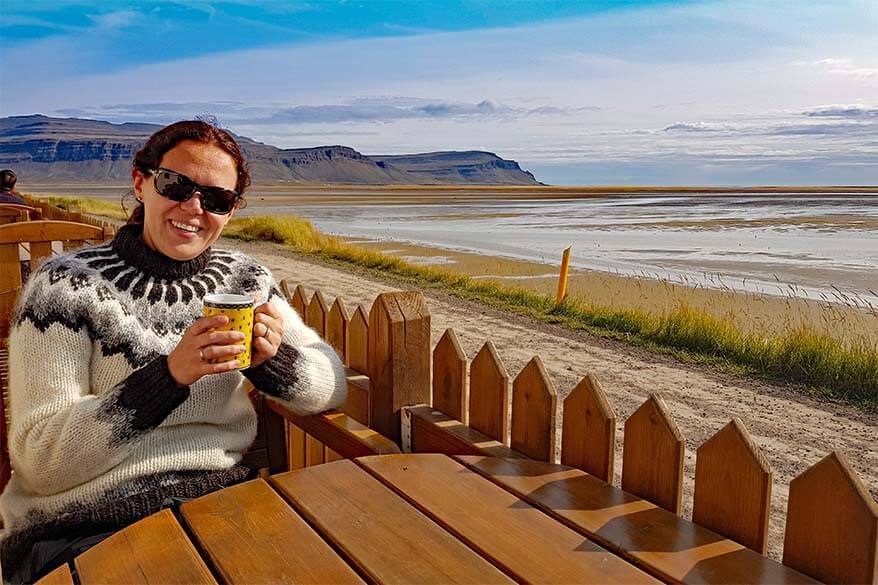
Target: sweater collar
(130,246)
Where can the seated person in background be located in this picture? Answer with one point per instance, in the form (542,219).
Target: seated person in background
(8,194)
(115,409)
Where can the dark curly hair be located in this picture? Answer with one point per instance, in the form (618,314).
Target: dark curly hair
(147,159)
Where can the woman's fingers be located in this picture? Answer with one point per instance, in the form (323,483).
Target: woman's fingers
(268,309)
(262,344)
(268,329)
(221,367)
(213,352)
(219,338)
(264,321)
(207,323)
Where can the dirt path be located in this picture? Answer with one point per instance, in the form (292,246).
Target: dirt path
(793,431)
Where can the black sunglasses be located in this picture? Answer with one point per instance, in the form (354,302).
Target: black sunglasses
(180,188)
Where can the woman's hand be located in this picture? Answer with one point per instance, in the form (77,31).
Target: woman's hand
(188,362)
(268,329)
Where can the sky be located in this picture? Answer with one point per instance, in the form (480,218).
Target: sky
(601,92)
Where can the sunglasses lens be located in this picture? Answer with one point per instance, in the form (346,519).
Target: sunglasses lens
(174,186)
(218,200)
(177,187)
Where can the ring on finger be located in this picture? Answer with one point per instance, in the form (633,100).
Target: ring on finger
(201,354)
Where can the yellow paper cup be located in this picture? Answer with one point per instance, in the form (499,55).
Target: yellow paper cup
(239,310)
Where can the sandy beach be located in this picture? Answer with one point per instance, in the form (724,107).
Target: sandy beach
(794,431)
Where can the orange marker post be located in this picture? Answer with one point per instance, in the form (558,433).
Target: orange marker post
(562,279)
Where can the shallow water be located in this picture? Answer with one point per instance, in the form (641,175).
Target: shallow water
(815,246)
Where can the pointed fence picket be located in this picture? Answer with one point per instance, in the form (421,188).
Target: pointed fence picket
(733,487)
(357,405)
(300,301)
(315,313)
(588,432)
(449,377)
(358,340)
(832,522)
(489,394)
(337,326)
(652,457)
(286,287)
(534,408)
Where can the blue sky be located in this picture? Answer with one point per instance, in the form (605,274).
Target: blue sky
(707,92)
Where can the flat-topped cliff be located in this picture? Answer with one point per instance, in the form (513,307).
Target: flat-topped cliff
(45,148)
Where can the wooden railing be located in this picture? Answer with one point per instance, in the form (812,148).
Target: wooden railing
(438,401)
(49,211)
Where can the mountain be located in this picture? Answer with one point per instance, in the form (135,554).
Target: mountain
(460,167)
(44,148)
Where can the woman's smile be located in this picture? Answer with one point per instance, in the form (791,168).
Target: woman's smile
(185,230)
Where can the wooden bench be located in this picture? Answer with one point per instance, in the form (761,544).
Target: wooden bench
(14,212)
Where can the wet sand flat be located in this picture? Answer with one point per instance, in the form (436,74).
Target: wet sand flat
(800,244)
(749,311)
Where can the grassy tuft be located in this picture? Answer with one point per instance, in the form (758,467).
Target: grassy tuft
(294,231)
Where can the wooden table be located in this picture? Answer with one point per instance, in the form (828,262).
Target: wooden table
(424,518)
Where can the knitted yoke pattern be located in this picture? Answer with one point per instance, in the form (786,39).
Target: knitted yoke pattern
(101,433)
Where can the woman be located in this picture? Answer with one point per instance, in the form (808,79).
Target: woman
(116,410)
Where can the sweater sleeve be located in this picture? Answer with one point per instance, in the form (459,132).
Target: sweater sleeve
(62,433)
(306,373)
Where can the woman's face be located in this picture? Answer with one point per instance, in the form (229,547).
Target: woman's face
(183,231)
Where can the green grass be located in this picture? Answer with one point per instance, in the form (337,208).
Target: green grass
(816,362)
(841,369)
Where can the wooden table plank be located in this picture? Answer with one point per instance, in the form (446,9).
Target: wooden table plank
(526,543)
(152,550)
(60,576)
(249,534)
(666,545)
(389,540)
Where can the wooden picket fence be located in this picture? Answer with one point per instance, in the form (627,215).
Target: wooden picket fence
(54,212)
(437,401)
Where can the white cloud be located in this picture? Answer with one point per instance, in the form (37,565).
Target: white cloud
(698,127)
(843,68)
(114,20)
(843,111)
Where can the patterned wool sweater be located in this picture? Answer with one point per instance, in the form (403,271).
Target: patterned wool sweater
(101,434)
